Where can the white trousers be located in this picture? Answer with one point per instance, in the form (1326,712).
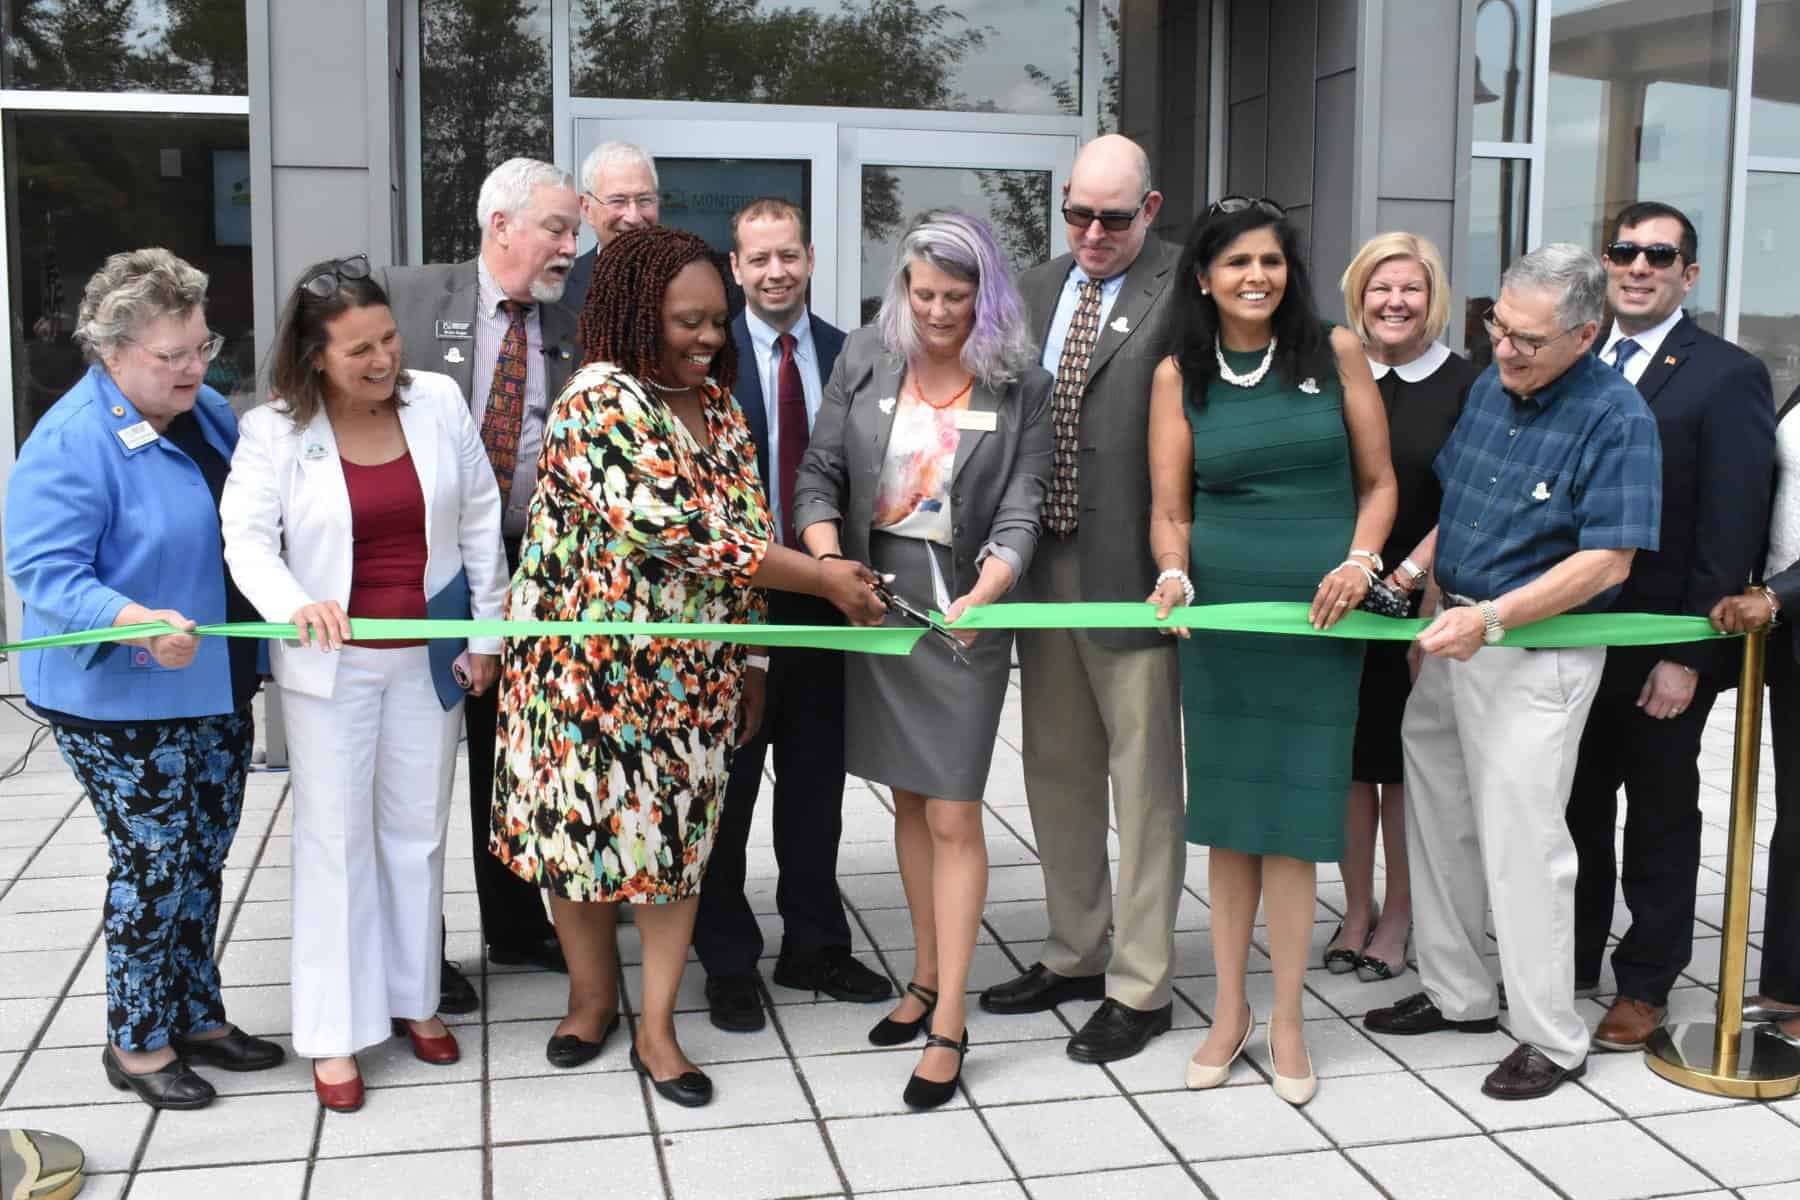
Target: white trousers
(1490,750)
(372,769)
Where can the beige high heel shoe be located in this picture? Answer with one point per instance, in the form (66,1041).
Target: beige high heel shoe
(1296,1090)
(1201,1077)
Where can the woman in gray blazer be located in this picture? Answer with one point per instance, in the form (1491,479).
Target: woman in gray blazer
(929,461)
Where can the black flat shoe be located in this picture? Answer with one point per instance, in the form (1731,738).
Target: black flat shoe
(236,1051)
(733,1003)
(889,1032)
(546,954)
(172,1086)
(833,972)
(456,995)
(690,1089)
(929,1093)
(565,1050)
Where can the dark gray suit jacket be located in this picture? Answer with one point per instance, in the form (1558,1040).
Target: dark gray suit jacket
(997,484)
(434,308)
(1113,539)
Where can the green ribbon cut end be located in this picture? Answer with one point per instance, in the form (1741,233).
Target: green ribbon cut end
(1276,617)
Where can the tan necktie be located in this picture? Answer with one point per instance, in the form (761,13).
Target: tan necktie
(1062,507)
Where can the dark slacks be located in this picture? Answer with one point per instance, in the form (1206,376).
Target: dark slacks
(803,723)
(168,795)
(1781,925)
(512,909)
(1657,762)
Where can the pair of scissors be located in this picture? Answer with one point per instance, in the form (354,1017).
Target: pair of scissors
(919,616)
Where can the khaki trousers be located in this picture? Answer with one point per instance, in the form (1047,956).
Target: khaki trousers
(1490,748)
(1095,716)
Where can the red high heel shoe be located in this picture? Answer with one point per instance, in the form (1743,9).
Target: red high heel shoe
(439,1051)
(339,1097)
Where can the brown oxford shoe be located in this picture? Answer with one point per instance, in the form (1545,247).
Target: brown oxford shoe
(1628,1024)
(1526,1074)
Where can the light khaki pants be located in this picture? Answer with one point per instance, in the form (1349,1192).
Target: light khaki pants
(1490,750)
(1095,716)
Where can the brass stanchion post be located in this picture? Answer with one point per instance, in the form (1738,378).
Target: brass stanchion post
(1718,1056)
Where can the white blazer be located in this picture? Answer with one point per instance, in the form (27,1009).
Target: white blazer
(286,518)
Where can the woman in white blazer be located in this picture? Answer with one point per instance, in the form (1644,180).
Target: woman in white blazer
(363,490)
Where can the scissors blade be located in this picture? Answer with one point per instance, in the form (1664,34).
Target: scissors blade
(917,615)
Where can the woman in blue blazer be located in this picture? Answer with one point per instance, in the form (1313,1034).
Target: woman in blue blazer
(112,519)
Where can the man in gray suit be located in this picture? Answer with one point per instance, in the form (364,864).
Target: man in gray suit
(619,191)
(494,318)
(1101,708)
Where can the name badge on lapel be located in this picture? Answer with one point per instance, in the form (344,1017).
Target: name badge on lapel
(461,331)
(313,452)
(137,435)
(985,422)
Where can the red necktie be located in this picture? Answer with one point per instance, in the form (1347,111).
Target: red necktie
(790,409)
(504,418)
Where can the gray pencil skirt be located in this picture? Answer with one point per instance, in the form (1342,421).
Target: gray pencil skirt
(924,723)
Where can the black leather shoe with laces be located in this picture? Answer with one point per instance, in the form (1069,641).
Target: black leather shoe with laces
(1039,989)
(1118,1031)
(1417,1014)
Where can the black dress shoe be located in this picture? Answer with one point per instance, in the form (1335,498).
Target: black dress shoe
(834,972)
(1041,989)
(1118,1031)
(889,1032)
(1527,1073)
(171,1086)
(236,1051)
(456,995)
(565,1050)
(690,1089)
(547,955)
(1417,1014)
(930,1093)
(733,1003)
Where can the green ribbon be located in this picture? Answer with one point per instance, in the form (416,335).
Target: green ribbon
(1280,618)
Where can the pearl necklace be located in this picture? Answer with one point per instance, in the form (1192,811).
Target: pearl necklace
(1244,381)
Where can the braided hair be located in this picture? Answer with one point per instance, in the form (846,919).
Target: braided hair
(621,319)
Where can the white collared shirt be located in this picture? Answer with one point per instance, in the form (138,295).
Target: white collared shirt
(768,369)
(1649,342)
(1422,367)
(1065,311)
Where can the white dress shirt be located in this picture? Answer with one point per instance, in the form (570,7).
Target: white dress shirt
(1649,342)
(1065,312)
(490,332)
(768,369)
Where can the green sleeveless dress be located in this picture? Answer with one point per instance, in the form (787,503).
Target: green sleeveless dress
(1269,720)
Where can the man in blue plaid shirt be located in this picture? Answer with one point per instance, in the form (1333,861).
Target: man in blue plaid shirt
(1552,482)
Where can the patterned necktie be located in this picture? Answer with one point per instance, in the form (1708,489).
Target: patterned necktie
(1623,353)
(1062,507)
(504,418)
(790,411)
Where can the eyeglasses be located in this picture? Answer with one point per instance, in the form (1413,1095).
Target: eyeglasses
(1226,205)
(1526,344)
(619,200)
(1657,254)
(325,282)
(182,359)
(1111,219)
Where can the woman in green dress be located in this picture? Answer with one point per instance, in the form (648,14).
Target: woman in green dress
(1270,480)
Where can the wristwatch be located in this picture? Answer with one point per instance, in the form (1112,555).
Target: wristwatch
(1414,572)
(1373,558)
(1490,617)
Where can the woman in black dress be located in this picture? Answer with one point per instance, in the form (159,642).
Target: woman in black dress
(1397,298)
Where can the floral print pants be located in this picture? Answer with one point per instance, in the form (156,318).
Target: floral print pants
(168,794)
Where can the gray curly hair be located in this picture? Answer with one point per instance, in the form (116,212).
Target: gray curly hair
(130,290)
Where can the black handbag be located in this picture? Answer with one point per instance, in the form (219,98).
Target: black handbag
(1385,601)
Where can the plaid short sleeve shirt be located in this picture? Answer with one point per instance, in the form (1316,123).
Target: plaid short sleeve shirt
(1529,482)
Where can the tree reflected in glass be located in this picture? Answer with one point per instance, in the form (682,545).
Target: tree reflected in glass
(187,46)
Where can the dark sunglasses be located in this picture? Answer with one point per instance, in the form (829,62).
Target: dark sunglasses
(1111,219)
(325,282)
(1658,255)
(1226,205)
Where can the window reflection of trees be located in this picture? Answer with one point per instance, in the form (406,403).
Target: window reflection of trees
(189,46)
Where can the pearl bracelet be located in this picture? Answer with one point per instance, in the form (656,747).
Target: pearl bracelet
(1187,585)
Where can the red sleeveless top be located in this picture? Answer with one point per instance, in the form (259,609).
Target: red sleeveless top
(387,522)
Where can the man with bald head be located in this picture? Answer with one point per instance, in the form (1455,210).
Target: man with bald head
(1101,708)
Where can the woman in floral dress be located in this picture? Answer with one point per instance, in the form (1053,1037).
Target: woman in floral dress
(614,752)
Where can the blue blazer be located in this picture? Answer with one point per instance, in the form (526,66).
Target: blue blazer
(93,523)
(828,339)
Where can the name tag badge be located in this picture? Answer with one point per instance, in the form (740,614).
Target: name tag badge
(985,422)
(137,435)
(460,330)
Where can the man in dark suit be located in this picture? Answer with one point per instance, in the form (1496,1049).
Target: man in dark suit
(619,191)
(785,355)
(1101,708)
(1716,419)
(472,320)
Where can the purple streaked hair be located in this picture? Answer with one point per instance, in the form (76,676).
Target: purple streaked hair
(961,245)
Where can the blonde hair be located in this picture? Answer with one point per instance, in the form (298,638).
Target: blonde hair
(1378,250)
(130,290)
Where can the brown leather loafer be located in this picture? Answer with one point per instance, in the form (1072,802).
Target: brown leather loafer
(1628,1024)
(1526,1074)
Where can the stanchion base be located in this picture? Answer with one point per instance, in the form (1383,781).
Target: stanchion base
(1767,1068)
(35,1165)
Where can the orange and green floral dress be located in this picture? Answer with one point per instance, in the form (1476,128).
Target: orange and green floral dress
(613,752)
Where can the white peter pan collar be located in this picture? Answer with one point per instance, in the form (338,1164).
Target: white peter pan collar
(1422,367)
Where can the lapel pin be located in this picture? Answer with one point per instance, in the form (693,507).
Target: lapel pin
(313,452)
(1310,386)
(1540,492)
(118,410)
(1121,325)
(453,355)
(1669,360)
(885,404)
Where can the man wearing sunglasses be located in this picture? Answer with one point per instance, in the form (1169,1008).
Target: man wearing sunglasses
(620,191)
(1716,416)
(1102,716)
(495,325)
